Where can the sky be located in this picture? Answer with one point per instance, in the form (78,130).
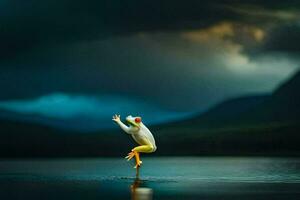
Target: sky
(161,59)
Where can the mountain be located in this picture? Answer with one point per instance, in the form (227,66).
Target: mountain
(257,125)
(18,139)
(283,105)
(233,107)
(252,125)
(223,112)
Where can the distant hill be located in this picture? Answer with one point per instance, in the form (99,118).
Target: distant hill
(32,140)
(249,125)
(253,125)
(233,107)
(223,112)
(283,105)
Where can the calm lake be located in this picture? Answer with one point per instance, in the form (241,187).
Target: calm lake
(160,178)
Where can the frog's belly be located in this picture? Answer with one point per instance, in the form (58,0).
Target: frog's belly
(140,139)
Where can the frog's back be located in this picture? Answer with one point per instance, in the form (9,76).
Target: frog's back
(144,134)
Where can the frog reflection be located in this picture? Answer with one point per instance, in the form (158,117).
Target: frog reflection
(140,192)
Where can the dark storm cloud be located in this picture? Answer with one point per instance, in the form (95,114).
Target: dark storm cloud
(284,39)
(178,71)
(182,54)
(28,24)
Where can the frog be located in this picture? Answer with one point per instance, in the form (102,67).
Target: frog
(141,135)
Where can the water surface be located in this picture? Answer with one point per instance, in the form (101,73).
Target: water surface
(160,178)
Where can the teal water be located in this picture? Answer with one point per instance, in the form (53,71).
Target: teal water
(159,178)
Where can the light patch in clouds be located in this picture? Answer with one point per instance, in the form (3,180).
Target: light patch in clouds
(224,39)
(216,32)
(224,31)
(260,12)
(220,51)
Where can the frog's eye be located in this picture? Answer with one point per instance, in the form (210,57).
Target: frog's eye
(138,119)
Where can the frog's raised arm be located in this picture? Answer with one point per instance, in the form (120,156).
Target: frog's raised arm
(125,128)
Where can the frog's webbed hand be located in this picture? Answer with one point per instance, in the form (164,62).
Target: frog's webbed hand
(117,119)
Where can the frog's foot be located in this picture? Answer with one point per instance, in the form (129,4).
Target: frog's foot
(130,155)
(137,159)
(138,164)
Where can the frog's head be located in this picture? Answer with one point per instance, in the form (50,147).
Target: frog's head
(133,121)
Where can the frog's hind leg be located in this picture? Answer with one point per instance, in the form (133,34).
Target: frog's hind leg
(138,162)
(141,149)
(137,158)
